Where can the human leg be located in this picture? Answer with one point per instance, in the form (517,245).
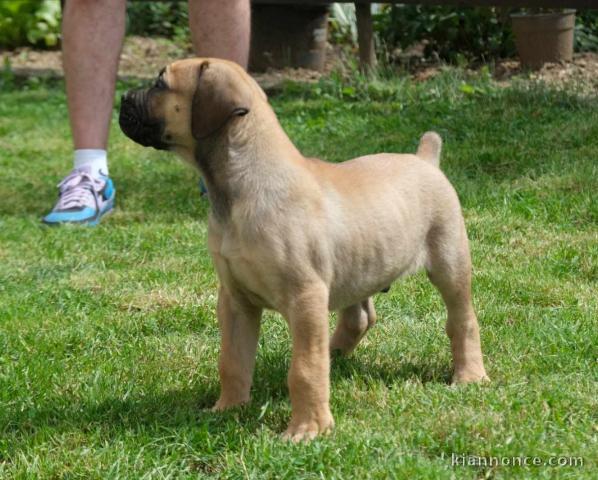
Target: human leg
(93,32)
(221,28)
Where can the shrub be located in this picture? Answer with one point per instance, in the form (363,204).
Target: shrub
(475,33)
(163,19)
(29,22)
(586,31)
(450,32)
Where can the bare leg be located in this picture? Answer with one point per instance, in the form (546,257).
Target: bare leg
(93,32)
(239,330)
(450,272)
(220,28)
(353,322)
(309,375)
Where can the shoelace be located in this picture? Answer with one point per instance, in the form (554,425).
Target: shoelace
(79,189)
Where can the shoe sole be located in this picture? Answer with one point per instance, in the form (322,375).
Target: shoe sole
(92,222)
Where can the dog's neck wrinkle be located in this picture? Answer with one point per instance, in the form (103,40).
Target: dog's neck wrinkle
(240,172)
(207,156)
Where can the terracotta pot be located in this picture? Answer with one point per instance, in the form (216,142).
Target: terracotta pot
(544,37)
(288,36)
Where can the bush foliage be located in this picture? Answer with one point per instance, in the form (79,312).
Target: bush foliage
(586,31)
(476,33)
(29,22)
(162,19)
(481,33)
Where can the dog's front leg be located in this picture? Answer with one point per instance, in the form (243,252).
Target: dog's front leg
(309,375)
(239,330)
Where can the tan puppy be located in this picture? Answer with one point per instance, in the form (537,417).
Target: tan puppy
(302,236)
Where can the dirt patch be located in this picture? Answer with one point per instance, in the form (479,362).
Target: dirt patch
(143,57)
(582,73)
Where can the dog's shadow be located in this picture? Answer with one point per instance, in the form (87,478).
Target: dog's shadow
(388,372)
(184,408)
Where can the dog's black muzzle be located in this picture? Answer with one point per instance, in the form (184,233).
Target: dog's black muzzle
(136,122)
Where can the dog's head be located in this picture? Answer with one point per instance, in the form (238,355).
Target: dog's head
(191,100)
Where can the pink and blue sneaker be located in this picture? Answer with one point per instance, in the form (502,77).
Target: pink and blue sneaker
(83,199)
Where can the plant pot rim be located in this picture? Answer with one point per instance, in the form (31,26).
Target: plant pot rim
(566,11)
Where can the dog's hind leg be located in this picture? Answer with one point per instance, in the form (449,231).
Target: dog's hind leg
(353,322)
(449,269)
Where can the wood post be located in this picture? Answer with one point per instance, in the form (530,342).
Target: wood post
(365,37)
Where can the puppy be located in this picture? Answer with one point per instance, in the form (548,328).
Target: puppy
(302,236)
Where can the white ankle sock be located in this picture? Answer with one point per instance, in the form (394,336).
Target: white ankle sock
(94,159)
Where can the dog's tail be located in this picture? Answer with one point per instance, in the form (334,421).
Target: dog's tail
(429,148)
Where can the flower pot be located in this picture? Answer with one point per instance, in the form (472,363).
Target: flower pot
(544,37)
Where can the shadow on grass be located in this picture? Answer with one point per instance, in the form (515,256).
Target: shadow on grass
(186,408)
(388,373)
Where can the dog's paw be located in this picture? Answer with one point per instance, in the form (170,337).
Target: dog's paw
(343,343)
(224,404)
(470,376)
(306,429)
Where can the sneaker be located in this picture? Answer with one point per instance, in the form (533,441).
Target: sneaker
(83,199)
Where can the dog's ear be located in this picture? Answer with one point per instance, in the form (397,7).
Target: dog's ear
(220,95)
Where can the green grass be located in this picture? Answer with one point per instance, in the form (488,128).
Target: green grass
(108,335)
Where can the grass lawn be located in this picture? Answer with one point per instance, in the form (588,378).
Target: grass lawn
(108,335)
